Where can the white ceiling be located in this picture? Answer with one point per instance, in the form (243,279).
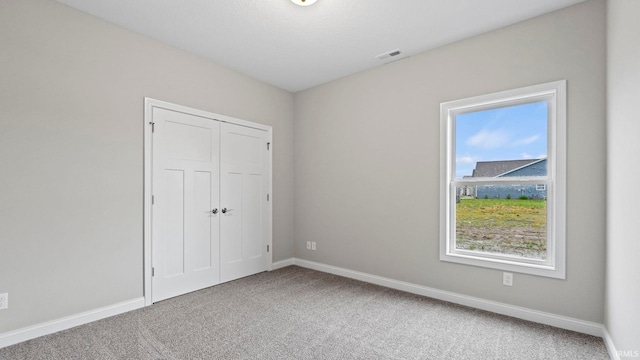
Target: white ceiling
(295,47)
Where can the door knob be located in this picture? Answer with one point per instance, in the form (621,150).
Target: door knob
(214,211)
(225,210)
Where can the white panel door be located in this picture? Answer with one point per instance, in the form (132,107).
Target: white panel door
(185,219)
(244,185)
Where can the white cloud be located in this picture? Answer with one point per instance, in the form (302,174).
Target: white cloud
(525,156)
(526,141)
(489,139)
(464,160)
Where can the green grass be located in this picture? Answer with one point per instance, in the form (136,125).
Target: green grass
(501,212)
(504,226)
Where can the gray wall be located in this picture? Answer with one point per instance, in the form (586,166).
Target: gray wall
(71,153)
(623,245)
(366,151)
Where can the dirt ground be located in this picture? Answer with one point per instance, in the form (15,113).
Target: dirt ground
(521,241)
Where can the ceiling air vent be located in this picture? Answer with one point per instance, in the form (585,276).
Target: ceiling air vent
(388,55)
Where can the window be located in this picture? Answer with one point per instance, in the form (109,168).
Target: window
(503,184)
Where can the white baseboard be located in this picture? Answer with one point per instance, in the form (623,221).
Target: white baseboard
(611,347)
(282,263)
(49,327)
(559,321)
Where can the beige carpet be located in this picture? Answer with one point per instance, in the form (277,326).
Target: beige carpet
(296,313)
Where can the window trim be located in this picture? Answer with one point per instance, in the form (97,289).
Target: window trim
(555,264)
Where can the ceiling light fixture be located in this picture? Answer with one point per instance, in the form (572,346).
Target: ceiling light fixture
(303,2)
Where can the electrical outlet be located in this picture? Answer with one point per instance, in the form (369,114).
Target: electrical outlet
(313,245)
(507,279)
(4,301)
(308,245)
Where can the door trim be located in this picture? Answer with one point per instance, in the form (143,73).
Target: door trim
(149,105)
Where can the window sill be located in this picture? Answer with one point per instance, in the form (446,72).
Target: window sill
(504,263)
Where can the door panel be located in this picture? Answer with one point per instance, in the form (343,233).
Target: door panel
(252,216)
(173,223)
(185,232)
(244,186)
(202,257)
(243,149)
(188,141)
(232,223)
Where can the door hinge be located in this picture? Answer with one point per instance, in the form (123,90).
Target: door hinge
(268,144)
(153,199)
(267,248)
(153,126)
(153,271)
(267,197)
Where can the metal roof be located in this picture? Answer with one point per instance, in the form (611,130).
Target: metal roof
(495,168)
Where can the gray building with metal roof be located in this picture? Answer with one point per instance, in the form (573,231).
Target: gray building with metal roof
(510,168)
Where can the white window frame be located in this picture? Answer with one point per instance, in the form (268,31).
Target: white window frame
(554,265)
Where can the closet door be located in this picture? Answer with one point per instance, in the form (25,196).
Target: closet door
(185,214)
(244,185)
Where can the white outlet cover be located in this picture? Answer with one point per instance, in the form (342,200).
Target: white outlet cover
(4,301)
(313,245)
(309,245)
(507,279)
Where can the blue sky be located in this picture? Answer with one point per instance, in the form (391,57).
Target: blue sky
(508,133)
